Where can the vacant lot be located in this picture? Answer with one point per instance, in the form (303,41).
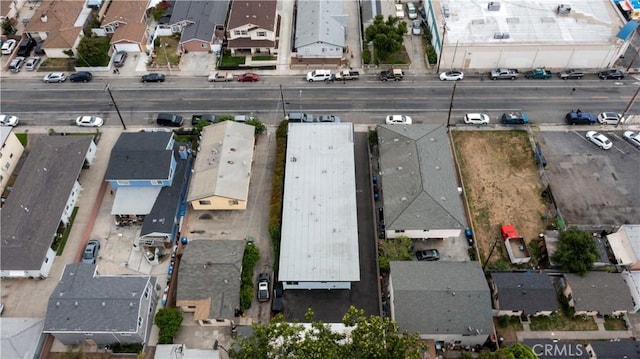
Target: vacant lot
(501,184)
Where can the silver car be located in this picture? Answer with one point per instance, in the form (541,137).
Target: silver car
(610,118)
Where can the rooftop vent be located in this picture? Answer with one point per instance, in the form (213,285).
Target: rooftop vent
(493,6)
(563,9)
(501,35)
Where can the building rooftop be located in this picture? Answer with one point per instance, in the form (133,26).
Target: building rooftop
(528,22)
(531,292)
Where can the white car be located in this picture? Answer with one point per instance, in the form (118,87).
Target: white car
(632,137)
(89,121)
(398,120)
(451,76)
(610,118)
(9,120)
(32,63)
(55,77)
(599,140)
(476,119)
(412,11)
(8,46)
(399,11)
(416,28)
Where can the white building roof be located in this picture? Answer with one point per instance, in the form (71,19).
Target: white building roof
(625,244)
(319,224)
(536,22)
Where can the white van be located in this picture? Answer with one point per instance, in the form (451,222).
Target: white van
(319,75)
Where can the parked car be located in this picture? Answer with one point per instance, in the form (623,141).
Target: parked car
(32,63)
(91,252)
(428,255)
(243,118)
(328,118)
(398,120)
(611,74)
(394,74)
(26,46)
(263,287)
(412,11)
(277,305)
(9,120)
(571,74)
(599,140)
(610,118)
(89,121)
(195,119)
(219,76)
(152,77)
(416,27)
(514,118)
(299,117)
(55,77)
(476,119)
(578,117)
(81,76)
(451,76)
(169,119)
(119,58)
(8,46)
(16,64)
(632,137)
(248,77)
(399,11)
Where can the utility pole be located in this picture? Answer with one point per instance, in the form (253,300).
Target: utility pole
(444,34)
(626,109)
(453,93)
(490,253)
(113,101)
(284,112)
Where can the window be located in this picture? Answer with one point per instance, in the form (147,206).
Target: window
(261,33)
(11,155)
(123,182)
(236,32)
(204,202)
(7,165)
(233,202)
(88,334)
(146,292)
(156,183)
(399,231)
(139,321)
(292,283)
(109,29)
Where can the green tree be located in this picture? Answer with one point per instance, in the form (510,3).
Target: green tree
(168,320)
(387,36)
(576,251)
(260,127)
(93,51)
(8,26)
(514,351)
(372,337)
(395,249)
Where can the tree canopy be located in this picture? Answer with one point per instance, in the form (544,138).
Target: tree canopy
(576,251)
(371,337)
(93,51)
(395,249)
(386,36)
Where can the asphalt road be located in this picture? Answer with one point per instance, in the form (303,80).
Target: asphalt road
(363,101)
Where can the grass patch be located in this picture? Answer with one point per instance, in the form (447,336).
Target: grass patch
(51,64)
(615,323)
(507,326)
(166,49)
(228,61)
(22,137)
(61,238)
(263,58)
(559,321)
(399,58)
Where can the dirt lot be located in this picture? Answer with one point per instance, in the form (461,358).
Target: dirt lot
(502,186)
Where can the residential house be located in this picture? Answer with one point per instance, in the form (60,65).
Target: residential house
(222,169)
(321,29)
(60,24)
(614,349)
(319,240)
(597,293)
(89,308)
(370,9)
(252,27)
(422,197)
(632,278)
(10,154)
(201,23)
(558,349)
(21,337)
(126,23)
(41,202)
(209,280)
(445,301)
(149,171)
(522,293)
(625,245)
(9,8)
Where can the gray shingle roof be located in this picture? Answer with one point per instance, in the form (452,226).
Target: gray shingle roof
(86,302)
(530,292)
(205,15)
(419,181)
(211,269)
(616,349)
(600,291)
(162,217)
(32,212)
(320,21)
(441,298)
(141,156)
(555,349)
(261,13)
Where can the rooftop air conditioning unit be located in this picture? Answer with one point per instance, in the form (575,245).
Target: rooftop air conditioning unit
(563,9)
(493,6)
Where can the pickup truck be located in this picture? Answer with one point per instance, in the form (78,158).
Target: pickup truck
(538,74)
(220,77)
(395,75)
(502,74)
(346,75)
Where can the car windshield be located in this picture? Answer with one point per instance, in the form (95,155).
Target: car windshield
(88,253)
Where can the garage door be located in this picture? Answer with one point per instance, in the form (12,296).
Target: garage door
(127,47)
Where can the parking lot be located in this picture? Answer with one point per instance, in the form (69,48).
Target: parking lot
(592,186)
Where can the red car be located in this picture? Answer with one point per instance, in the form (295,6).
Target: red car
(248,77)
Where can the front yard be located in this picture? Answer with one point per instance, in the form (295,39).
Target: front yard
(166,51)
(560,322)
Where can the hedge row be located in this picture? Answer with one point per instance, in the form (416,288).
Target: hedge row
(277,191)
(249,260)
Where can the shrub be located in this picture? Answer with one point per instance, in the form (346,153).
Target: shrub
(249,260)
(366,55)
(126,348)
(168,320)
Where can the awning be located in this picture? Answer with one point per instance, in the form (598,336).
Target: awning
(621,248)
(134,200)
(627,30)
